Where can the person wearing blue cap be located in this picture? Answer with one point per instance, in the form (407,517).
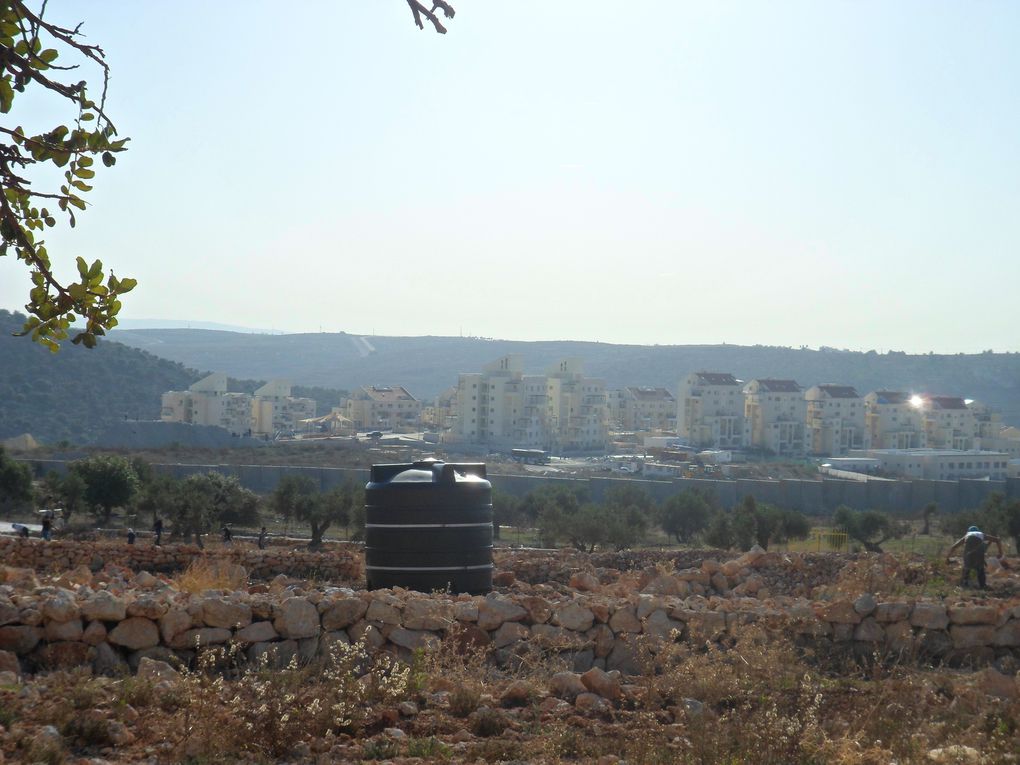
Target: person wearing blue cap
(974,543)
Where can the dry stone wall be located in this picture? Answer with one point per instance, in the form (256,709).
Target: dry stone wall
(339,563)
(113,620)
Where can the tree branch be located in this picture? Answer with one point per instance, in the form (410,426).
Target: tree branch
(420,10)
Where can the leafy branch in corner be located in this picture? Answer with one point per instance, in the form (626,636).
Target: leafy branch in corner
(30,46)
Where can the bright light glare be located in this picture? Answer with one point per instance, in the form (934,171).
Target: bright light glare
(916,401)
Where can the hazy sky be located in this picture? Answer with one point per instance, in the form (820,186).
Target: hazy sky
(789,173)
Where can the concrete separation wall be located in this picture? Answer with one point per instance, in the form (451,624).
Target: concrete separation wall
(904,498)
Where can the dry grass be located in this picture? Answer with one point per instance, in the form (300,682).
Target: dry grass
(211,574)
(761,698)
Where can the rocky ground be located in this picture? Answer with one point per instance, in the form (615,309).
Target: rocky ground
(643,657)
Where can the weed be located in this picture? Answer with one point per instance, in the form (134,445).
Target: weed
(380,749)
(210,574)
(489,722)
(464,700)
(429,748)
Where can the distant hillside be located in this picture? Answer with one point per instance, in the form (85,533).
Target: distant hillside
(427,365)
(75,394)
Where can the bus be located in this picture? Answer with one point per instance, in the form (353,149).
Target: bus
(530,456)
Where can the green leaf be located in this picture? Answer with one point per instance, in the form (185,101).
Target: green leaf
(6,95)
(108,159)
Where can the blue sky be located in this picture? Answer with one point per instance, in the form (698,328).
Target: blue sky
(788,173)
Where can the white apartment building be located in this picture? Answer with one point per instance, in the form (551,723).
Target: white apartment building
(274,410)
(835,419)
(560,411)
(208,402)
(639,408)
(710,411)
(946,422)
(386,407)
(891,421)
(939,464)
(776,414)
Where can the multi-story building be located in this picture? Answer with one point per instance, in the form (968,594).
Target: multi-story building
(939,464)
(835,419)
(946,422)
(577,408)
(638,408)
(776,413)
(274,410)
(441,414)
(891,421)
(208,402)
(710,411)
(385,407)
(504,408)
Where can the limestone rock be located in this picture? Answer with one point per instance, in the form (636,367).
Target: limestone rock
(385,613)
(173,623)
(624,620)
(509,632)
(201,637)
(574,616)
(839,612)
(70,630)
(518,694)
(109,662)
(148,606)
(605,684)
(342,613)
(566,685)
(973,614)
(135,633)
(427,615)
(257,632)
(592,703)
(865,604)
(104,606)
(584,581)
(892,612)
(19,639)
(972,635)
(493,610)
(95,633)
(61,608)
(930,616)
(220,612)
(412,639)
(297,618)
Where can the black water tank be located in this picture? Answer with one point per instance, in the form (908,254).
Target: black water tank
(428,526)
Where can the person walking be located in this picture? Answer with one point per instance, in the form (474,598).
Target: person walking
(131,536)
(262,538)
(227,536)
(157,530)
(47,528)
(975,542)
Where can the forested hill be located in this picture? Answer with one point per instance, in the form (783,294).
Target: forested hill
(76,393)
(427,365)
